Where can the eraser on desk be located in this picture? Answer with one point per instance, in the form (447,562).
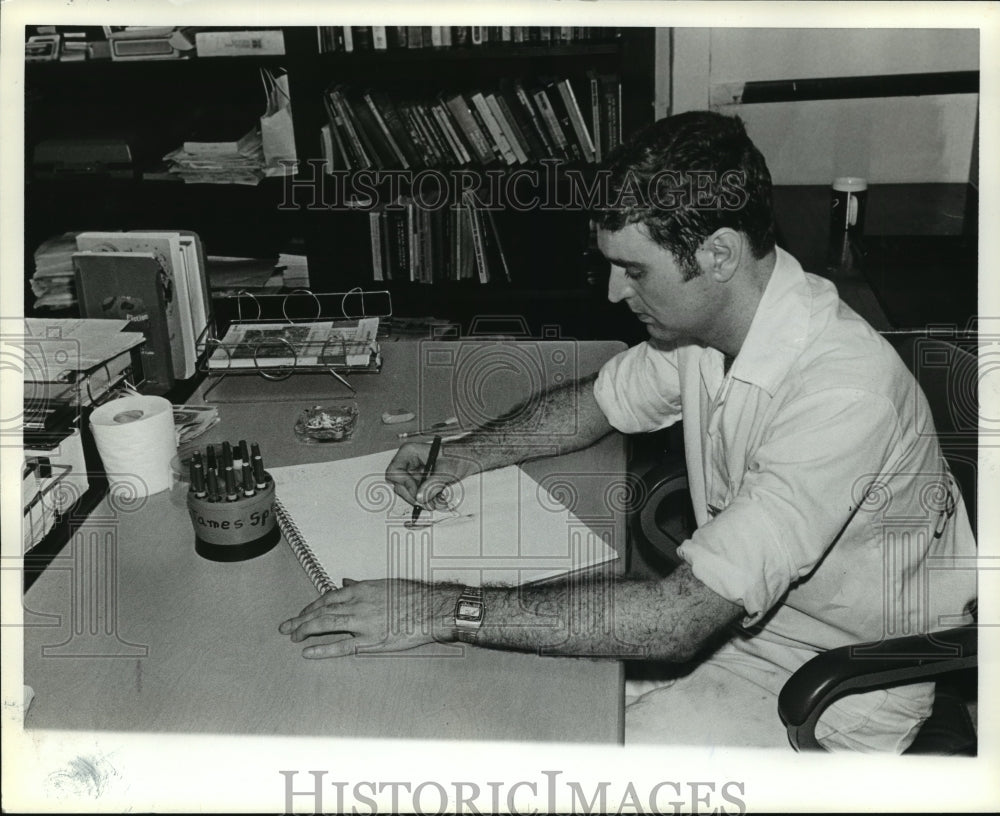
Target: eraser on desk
(396,416)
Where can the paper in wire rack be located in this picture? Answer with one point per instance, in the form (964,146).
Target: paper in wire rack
(269,344)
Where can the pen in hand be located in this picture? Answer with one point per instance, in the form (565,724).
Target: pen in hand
(428,469)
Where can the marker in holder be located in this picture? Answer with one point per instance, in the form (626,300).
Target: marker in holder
(234,519)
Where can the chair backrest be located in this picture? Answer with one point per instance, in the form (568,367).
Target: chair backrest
(947,370)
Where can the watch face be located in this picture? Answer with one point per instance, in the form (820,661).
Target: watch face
(469,611)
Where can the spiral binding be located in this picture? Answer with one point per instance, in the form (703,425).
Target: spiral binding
(307,558)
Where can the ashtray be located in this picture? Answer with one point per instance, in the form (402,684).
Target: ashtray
(327,423)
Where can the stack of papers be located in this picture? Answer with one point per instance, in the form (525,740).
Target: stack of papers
(239,162)
(62,351)
(52,283)
(231,274)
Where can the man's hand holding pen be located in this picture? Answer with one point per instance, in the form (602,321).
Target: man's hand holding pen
(406,474)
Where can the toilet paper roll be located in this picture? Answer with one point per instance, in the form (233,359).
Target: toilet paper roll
(136,440)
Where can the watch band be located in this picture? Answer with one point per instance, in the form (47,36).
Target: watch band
(469,613)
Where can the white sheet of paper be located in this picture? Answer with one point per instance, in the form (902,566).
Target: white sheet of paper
(504,528)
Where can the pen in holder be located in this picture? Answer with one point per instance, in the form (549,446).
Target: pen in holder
(233,514)
(235,530)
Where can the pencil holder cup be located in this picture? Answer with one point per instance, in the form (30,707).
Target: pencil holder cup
(235,530)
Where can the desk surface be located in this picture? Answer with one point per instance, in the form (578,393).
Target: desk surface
(129,629)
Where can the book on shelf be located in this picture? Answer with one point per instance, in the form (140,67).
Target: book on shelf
(415,244)
(462,153)
(373,128)
(476,229)
(361,36)
(497,136)
(459,108)
(551,121)
(342,155)
(326,150)
(344,118)
(593,108)
(580,128)
(396,37)
(509,127)
(378,38)
(555,100)
(390,127)
(544,146)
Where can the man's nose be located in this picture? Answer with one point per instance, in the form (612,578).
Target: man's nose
(618,285)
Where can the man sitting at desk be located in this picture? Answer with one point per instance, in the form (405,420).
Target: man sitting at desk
(803,439)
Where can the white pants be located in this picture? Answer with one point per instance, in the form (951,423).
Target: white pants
(732,699)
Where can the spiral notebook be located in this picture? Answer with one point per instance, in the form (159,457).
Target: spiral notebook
(342,520)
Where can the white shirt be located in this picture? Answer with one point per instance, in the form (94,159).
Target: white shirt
(824,505)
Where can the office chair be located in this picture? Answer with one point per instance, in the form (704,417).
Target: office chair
(948,374)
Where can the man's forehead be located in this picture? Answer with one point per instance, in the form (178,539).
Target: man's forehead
(631,241)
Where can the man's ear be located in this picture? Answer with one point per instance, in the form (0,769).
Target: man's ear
(721,254)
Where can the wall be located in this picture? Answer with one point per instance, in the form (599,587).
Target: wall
(894,139)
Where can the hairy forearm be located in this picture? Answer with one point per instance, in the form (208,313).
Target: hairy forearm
(562,419)
(666,619)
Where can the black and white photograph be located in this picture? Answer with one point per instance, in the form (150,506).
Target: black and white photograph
(557,406)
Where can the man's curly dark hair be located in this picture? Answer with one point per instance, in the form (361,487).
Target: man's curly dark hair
(684,177)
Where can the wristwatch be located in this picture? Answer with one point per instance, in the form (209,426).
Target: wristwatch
(469,613)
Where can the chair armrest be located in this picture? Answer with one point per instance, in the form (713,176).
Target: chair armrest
(860,667)
(665,481)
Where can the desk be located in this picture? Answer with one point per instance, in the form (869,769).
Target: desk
(128,629)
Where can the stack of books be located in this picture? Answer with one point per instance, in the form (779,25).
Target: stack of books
(52,281)
(516,123)
(384,38)
(155,280)
(240,161)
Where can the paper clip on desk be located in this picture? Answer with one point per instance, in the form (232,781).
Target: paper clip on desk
(276,336)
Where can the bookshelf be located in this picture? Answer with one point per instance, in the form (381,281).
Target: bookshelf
(556,279)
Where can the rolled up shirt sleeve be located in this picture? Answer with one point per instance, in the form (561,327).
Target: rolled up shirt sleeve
(802,486)
(639,389)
